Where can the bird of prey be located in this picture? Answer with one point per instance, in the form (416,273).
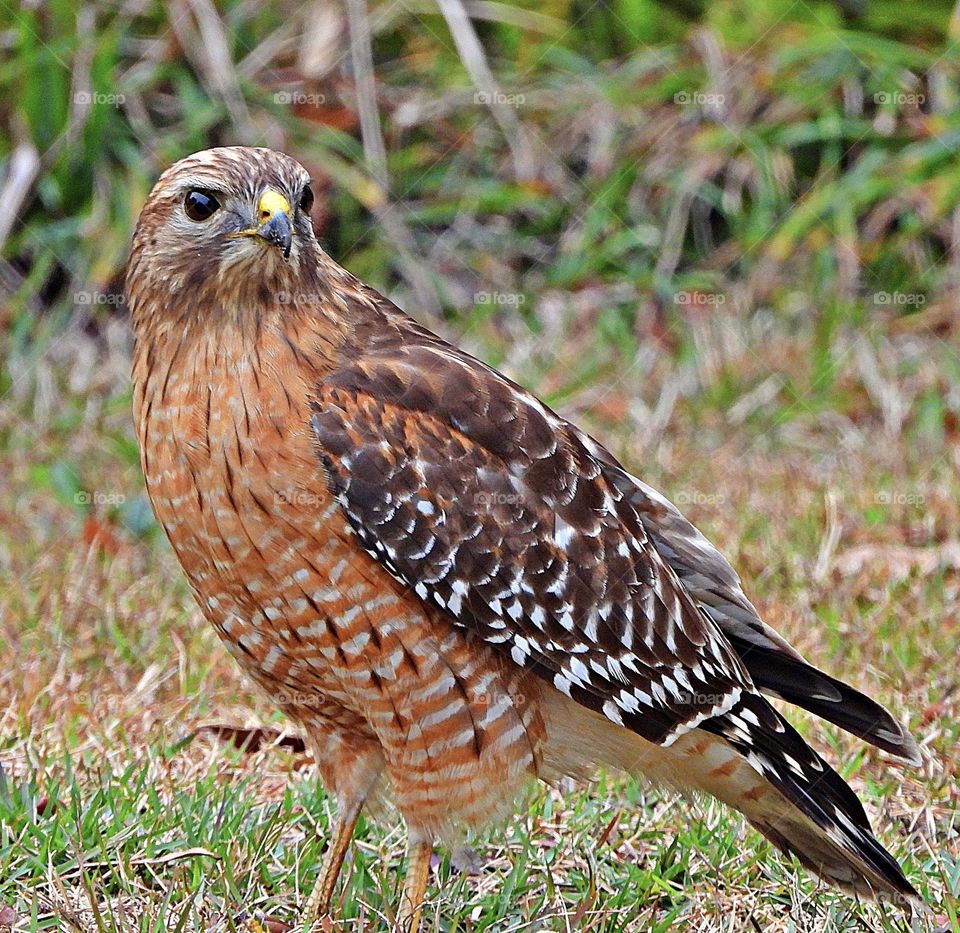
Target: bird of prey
(446,585)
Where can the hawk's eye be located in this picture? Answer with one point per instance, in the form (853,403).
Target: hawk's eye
(200,205)
(306,200)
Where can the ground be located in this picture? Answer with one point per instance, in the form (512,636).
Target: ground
(842,513)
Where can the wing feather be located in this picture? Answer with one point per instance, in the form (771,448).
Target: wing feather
(776,667)
(489,506)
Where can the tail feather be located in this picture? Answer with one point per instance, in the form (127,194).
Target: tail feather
(794,680)
(826,826)
(752,760)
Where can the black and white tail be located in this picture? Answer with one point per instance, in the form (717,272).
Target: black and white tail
(819,819)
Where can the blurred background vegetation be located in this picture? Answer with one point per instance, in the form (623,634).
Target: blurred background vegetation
(633,174)
(746,206)
(654,212)
(738,203)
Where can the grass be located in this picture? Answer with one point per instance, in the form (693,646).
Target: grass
(721,237)
(114,819)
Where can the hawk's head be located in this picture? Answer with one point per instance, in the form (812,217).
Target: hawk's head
(225,226)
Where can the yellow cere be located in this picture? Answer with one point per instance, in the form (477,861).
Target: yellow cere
(272,202)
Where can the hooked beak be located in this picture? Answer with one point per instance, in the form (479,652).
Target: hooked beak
(275,226)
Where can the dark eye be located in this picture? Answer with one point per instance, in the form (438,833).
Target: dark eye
(200,205)
(306,200)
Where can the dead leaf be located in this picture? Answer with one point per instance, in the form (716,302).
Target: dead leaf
(605,835)
(272,925)
(252,740)
(100,535)
(45,807)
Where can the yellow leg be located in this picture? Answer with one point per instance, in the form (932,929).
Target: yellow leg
(322,894)
(414,886)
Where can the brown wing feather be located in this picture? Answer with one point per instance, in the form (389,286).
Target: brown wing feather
(487,504)
(775,666)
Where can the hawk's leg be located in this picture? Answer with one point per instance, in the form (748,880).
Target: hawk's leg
(350,762)
(319,902)
(414,886)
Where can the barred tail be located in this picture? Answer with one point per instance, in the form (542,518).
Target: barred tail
(752,760)
(813,814)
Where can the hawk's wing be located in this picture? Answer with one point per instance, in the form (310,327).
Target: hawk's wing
(490,506)
(775,667)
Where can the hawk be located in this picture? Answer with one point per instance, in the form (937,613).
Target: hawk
(447,586)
